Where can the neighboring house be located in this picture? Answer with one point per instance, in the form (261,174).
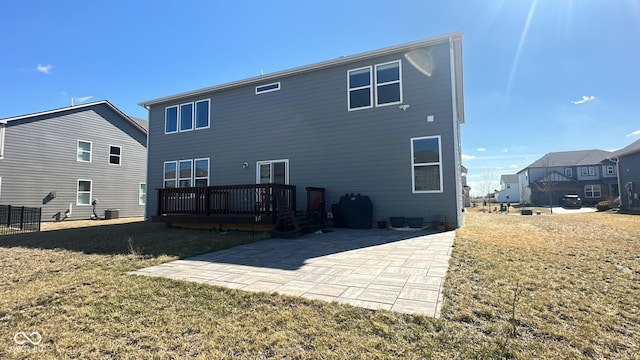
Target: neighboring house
(384,124)
(587,173)
(62,160)
(466,189)
(508,189)
(628,166)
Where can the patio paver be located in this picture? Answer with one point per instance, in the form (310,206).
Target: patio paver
(401,271)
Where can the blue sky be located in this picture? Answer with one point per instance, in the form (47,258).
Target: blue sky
(539,76)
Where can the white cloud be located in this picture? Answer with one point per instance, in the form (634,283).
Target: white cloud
(481,149)
(514,166)
(45,69)
(83,98)
(504,150)
(634,133)
(468,157)
(584,100)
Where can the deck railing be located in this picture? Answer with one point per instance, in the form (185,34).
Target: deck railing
(250,199)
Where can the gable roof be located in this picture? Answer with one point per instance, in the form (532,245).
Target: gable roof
(131,120)
(634,147)
(263,79)
(571,158)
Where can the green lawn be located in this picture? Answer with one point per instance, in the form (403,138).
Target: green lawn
(561,286)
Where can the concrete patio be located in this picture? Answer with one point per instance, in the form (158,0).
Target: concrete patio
(401,271)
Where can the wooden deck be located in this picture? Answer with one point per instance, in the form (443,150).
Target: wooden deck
(237,206)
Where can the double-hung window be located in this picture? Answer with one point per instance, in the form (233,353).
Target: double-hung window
(84,151)
(568,172)
(83,195)
(360,89)
(115,155)
(185,173)
(201,176)
(426,164)
(388,84)
(610,170)
(170,174)
(187,116)
(142,194)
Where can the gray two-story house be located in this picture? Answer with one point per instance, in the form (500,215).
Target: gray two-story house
(74,160)
(384,124)
(591,174)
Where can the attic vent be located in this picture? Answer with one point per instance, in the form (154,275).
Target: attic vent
(267,88)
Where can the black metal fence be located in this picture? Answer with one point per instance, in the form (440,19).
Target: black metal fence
(19,219)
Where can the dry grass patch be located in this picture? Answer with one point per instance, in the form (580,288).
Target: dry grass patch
(559,286)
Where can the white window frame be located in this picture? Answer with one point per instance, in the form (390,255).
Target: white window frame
(568,172)
(78,192)
(142,193)
(195,170)
(370,87)
(414,165)
(193,108)
(79,151)
(611,170)
(271,162)
(2,130)
(399,82)
(166,110)
(269,88)
(164,173)
(592,171)
(195,114)
(180,178)
(118,156)
(592,190)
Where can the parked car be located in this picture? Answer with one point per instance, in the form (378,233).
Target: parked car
(571,201)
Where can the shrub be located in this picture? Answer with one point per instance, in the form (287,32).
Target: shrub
(603,206)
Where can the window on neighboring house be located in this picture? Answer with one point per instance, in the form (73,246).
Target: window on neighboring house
(267,88)
(201,177)
(84,192)
(185,173)
(360,90)
(186,117)
(588,171)
(2,126)
(142,194)
(388,84)
(568,172)
(170,174)
(592,191)
(610,170)
(202,114)
(426,164)
(84,151)
(115,155)
(171,120)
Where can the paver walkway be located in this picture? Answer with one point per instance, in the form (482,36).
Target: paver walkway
(401,271)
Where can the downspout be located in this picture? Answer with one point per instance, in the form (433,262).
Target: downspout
(456,134)
(146,181)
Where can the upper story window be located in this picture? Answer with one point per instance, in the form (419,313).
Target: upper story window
(84,151)
(568,172)
(426,164)
(610,170)
(388,84)
(360,90)
(267,88)
(115,155)
(588,171)
(187,116)
(384,84)
(2,125)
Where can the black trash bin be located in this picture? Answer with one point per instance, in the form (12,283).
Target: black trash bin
(355,211)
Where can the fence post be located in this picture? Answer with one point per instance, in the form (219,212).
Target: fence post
(22,218)
(9,217)
(39,219)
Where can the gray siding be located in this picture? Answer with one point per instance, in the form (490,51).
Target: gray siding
(307,121)
(630,172)
(40,157)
